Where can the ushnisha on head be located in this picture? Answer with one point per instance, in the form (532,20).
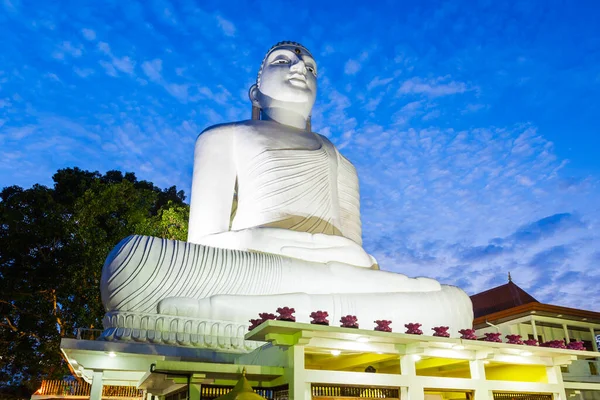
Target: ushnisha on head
(286,85)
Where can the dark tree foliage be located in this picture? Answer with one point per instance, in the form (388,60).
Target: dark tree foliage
(53,242)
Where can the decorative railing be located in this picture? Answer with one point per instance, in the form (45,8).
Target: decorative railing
(208,392)
(82,389)
(212,392)
(318,390)
(521,396)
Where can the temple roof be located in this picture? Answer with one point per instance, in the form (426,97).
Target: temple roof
(500,298)
(507,302)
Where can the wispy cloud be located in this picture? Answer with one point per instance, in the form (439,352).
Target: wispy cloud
(432,87)
(123,64)
(67,48)
(351,67)
(226,26)
(89,34)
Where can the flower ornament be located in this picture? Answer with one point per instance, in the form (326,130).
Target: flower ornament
(441,331)
(263,317)
(349,321)
(413,329)
(493,337)
(468,334)
(576,345)
(531,342)
(555,344)
(319,317)
(383,325)
(514,339)
(254,323)
(286,314)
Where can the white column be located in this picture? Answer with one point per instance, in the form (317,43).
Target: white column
(408,368)
(299,389)
(194,391)
(96,391)
(555,376)
(594,344)
(477,369)
(567,340)
(534,328)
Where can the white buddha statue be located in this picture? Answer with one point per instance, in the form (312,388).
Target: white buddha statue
(274,221)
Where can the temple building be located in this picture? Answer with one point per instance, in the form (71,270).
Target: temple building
(286,360)
(512,311)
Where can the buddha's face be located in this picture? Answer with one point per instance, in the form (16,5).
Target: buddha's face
(290,75)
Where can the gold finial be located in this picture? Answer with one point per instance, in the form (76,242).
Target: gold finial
(509,278)
(244,371)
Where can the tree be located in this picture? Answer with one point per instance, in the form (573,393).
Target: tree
(53,242)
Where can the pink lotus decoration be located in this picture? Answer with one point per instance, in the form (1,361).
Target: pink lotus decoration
(555,344)
(441,331)
(319,317)
(468,334)
(413,329)
(383,325)
(263,317)
(493,337)
(286,314)
(514,339)
(531,342)
(576,346)
(349,321)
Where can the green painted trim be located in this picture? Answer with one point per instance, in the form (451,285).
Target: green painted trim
(202,368)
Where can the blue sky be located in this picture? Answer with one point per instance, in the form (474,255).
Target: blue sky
(473,125)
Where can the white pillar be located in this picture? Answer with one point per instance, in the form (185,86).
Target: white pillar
(414,391)
(555,376)
(567,340)
(299,389)
(534,328)
(96,391)
(194,391)
(594,344)
(477,369)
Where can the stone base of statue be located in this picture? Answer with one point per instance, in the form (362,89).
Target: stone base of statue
(174,330)
(177,292)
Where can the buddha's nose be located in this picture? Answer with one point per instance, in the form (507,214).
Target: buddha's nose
(299,66)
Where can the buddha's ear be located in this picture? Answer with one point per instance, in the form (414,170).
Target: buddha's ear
(253,95)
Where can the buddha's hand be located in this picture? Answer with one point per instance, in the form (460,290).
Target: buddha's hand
(315,247)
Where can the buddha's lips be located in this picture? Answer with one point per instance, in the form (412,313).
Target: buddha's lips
(297,78)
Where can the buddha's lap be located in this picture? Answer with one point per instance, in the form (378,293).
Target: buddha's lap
(314,247)
(141,271)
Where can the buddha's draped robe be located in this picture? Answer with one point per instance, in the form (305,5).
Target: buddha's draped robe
(313,191)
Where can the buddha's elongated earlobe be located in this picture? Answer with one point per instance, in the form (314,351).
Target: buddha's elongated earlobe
(253,95)
(308,124)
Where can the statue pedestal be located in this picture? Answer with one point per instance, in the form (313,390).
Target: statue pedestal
(174,330)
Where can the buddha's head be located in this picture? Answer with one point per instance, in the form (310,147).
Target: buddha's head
(287,80)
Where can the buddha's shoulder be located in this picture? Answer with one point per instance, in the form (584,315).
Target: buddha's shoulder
(247,127)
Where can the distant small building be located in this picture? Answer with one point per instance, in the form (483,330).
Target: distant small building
(510,310)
